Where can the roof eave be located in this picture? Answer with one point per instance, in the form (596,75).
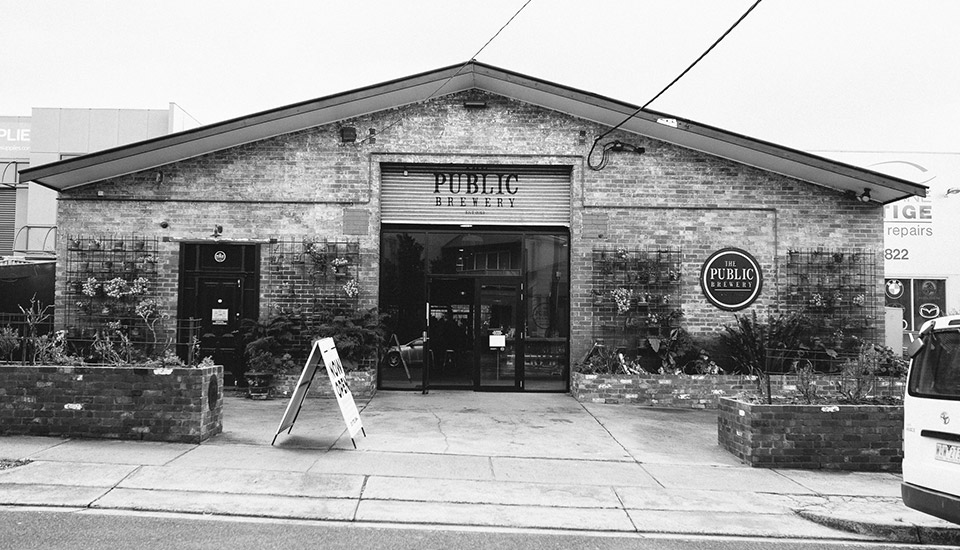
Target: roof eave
(149,154)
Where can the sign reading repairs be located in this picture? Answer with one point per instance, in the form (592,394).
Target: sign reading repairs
(475,192)
(731,279)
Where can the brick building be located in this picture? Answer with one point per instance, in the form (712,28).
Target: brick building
(465,203)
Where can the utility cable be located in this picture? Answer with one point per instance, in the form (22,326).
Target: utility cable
(460,69)
(674,81)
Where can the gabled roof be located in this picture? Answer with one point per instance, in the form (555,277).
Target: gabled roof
(71,173)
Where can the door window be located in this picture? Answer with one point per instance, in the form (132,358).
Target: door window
(498,307)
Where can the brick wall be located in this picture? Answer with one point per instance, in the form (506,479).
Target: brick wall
(308,183)
(184,405)
(844,437)
(702,392)
(362,384)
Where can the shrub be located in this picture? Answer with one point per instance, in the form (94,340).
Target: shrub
(358,337)
(267,344)
(9,342)
(759,347)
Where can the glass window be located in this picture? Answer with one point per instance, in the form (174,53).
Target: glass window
(936,368)
(474,254)
(403,282)
(402,296)
(548,312)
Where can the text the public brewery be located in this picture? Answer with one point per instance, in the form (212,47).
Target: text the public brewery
(476,190)
(732,277)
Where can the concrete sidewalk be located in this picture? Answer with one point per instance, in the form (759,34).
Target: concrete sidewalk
(475,459)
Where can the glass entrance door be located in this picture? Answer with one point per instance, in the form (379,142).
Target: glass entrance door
(498,304)
(448,291)
(473,334)
(450,357)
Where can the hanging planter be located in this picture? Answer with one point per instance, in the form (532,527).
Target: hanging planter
(340,266)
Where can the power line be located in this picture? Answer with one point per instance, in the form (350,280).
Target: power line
(681,75)
(461,68)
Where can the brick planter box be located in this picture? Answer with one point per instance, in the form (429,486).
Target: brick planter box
(688,392)
(182,405)
(697,392)
(837,437)
(362,384)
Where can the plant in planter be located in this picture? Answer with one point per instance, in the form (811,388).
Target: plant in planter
(756,347)
(340,266)
(358,337)
(671,348)
(602,360)
(317,255)
(859,376)
(847,422)
(266,350)
(9,342)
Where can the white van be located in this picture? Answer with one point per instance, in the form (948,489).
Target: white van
(931,422)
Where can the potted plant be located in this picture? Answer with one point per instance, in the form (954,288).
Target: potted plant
(340,266)
(267,347)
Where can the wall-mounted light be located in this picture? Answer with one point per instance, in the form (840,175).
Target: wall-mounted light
(217,230)
(865,196)
(475,104)
(348,134)
(953,191)
(164,224)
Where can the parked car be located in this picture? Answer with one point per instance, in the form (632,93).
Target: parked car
(411,352)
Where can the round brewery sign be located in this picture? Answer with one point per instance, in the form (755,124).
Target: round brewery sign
(731,279)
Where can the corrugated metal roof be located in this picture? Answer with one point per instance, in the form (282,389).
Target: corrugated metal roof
(110,163)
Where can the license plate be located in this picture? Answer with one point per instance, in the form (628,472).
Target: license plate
(948,453)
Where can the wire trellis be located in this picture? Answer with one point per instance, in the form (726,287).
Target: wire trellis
(636,295)
(837,290)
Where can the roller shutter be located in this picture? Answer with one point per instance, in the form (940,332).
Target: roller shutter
(475,194)
(8,209)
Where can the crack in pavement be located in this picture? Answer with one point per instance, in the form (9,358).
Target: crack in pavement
(446,441)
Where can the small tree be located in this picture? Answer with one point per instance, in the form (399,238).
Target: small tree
(35,316)
(755,346)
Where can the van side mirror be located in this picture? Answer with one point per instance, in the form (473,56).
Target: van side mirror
(915,347)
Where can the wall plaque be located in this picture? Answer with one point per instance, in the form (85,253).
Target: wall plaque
(731,279)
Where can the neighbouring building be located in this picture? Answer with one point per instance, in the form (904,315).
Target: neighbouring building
(28,212)
(922,277)
(476,208)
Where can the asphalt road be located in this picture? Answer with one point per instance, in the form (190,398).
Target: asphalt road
(71,529)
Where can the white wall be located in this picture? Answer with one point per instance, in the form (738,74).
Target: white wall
(58,132)
(922,234)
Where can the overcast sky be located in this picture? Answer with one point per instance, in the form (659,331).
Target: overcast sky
(876,75)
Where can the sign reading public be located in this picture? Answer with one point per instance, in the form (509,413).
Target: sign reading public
(731,279)
(487,194)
